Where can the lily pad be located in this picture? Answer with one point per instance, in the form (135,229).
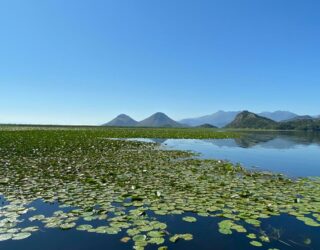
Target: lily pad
(67,226)
(256,243)
(139,237)
(21,236)
(4,237)
(189,219)
(84,227)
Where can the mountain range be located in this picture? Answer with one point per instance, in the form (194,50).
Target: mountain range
(156,120)
(222,118)
(248,120)
(218,119)
(301,117)
(278,116)
(226,119)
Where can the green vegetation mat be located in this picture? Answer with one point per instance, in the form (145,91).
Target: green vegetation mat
(130,185)
(118,132)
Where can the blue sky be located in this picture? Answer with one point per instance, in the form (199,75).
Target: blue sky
(84,62)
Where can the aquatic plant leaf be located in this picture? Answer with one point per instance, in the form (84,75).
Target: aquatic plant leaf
(189,219)
(251,236)
(256,243)
(21,236)
(156,240)
(84,227)
(30,229)
(163,248)
(125,239)
(4,237)
(139,237)
(176,237)
(67,226)
(155,234)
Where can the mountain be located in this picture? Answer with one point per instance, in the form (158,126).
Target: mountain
(222,118)
(159,120)
(218,119)
(206,125)
(300,117)
(247,119)
(300,124)
(122,121)
(278,115)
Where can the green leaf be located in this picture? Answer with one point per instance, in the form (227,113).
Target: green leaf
(189,219)
(256,243)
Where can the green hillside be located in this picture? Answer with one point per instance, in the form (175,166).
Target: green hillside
(248,120)
(305,124)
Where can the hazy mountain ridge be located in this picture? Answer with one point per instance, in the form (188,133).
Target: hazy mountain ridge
(206,125)
(300,117)
(222,118)
(279,115)
(218,119)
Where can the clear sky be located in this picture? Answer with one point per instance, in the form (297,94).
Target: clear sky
(86,61)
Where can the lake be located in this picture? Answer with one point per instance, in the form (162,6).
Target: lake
(288,234)
(293,154)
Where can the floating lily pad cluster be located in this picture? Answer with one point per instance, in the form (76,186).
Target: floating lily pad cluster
(129,185)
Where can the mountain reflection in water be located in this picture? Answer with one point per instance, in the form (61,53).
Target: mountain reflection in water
(291,153)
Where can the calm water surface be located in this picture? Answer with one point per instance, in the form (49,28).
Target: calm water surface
(294,154)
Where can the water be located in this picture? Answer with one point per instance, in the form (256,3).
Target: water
(293,234)
(293,154)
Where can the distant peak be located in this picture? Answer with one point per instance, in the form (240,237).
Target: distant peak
(123,115)
(246,112)
(247,119)
(159,113)
(225,112)
(159,119)
(122,120)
